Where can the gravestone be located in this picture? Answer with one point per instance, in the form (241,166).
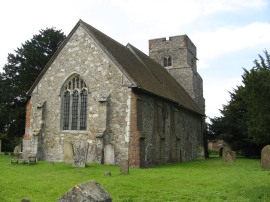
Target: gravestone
(109,155)
(80,149)
(87,192)
(265,157)
(124,167)
(68,152)
(228,155)
(200,153)
(225,150)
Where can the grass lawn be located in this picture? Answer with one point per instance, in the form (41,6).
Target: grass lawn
(208,180)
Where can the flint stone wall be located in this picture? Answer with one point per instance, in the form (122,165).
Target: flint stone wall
(168,133)
(82,56)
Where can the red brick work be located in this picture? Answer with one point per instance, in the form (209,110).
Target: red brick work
(135,136)
(28,114)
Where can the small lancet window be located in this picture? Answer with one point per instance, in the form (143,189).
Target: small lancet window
(167,61)
(74,104)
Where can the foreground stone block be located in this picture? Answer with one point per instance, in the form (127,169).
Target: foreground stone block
(86,192)
(80,153)
(265,157)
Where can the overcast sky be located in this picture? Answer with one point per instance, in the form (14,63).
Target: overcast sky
(228,34)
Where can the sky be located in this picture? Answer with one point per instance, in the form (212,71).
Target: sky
(228,34)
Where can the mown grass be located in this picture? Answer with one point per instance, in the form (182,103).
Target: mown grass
(208,180)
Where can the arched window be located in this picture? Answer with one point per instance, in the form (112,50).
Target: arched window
(74,104)
(167,61)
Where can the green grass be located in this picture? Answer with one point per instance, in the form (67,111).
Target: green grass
(208,180)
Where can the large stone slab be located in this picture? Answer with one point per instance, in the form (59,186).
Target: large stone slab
(109,154)
(86,192)
(80,148)
(265,157)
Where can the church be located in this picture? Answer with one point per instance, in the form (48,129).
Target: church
(148,110)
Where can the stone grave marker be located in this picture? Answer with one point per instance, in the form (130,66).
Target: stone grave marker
(68,152)
(200,153)
(87,192)
(265,157)
(124,167)
(228,155)
(225,150)
(109,155)
(80,148)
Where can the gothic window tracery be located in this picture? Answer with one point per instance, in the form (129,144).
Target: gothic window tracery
(74,104)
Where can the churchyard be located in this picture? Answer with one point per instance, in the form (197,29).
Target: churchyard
(206,180)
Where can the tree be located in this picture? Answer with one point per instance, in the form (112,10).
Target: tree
(245,120)
(257,98)
(20,72)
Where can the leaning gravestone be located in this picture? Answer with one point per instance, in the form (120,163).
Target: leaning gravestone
(124,167)
(68,152)
(265,157)
(80,148)
(87,192)
(109,155)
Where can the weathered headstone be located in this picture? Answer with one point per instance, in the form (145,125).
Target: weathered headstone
(124,167)
(88,191)
(200,153)
(109,155)
(228,155)
(265,157)
(225,150)
(68,152)
(80,148)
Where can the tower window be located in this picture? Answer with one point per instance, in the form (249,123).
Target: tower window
(167,61)
(74,104)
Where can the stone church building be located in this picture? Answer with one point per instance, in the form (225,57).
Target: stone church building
(145,109)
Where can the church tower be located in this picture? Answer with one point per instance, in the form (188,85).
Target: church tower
(178,56)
